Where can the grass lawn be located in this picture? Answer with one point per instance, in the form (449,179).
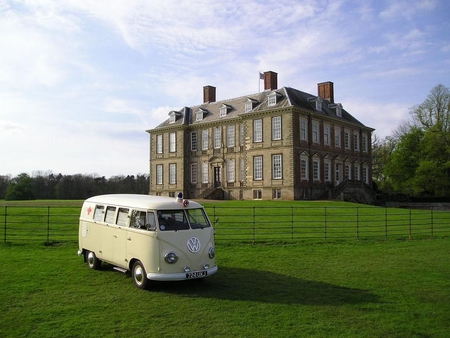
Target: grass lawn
(347,289)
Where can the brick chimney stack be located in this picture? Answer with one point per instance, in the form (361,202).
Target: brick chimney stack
(270,80)
(209,94)
(326,91)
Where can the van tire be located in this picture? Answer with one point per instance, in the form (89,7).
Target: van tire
(140,276)
(92,261)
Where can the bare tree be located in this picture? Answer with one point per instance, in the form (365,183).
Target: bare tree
(434,112)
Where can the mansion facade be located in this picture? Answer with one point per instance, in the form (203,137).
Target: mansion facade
(277,144)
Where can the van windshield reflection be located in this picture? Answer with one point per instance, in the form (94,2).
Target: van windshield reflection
(174,220)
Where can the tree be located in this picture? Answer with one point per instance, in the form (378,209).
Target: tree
(420,161)
(381,155)
(4,182)
(20,188)
(404,161)
(434,112)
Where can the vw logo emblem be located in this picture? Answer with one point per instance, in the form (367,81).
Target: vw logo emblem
(193,244)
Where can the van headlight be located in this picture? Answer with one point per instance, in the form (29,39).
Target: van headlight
(211,252)
(171,257)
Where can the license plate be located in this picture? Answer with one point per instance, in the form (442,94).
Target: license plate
(196,274)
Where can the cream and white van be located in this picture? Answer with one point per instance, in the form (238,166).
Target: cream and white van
(153,237)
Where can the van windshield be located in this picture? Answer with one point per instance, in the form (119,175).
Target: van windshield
(174,220)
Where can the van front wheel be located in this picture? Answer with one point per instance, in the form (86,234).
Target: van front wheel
(140,276)
(92,261)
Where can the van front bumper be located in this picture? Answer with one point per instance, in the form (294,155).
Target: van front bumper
(179,276)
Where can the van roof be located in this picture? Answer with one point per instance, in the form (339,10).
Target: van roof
(142,201)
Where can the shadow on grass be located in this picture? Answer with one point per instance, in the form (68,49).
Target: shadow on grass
(267,287)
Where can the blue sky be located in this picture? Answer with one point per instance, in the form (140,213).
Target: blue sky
(81,80)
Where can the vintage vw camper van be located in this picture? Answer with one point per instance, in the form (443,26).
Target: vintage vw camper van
(153,237)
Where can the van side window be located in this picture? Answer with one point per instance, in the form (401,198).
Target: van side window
(99,213)
(151,222)
(138,219)
(109,216)
(172,220)
(122,217)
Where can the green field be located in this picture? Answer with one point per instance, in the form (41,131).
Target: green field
(245,221)
(350,289)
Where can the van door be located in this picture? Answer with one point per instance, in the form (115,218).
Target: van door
(120,238)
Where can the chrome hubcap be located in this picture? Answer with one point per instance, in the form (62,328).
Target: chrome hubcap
(138,275)
(91,258)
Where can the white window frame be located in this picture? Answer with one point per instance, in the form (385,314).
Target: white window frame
(366,174)
(241,134)
(303,129)
(194,141)
(346,139)
(357,173)
(257,131)
(231,171)
(326,135)
(315,132)
(365,139)
(248,106)
(194,173)
(319,103)
(356,141)
(327,170)
(199,115)
(172,142)
(304,168)
(257,194)
(257,168)
(337,137)
(172,173)
(272,99)
(316,169)
(231,136)
(217,137)
(347,171)
(159,174)
(276,128)
(205,139)
(159,144)
(277,167)
(205,172)
(223,111)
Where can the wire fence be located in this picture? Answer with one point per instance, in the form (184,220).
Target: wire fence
(250,224)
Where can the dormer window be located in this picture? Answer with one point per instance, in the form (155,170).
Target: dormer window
(250,104)
(173,116)
(272,98)
(337,107)
(224,110)
(318,100)
(200,114)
